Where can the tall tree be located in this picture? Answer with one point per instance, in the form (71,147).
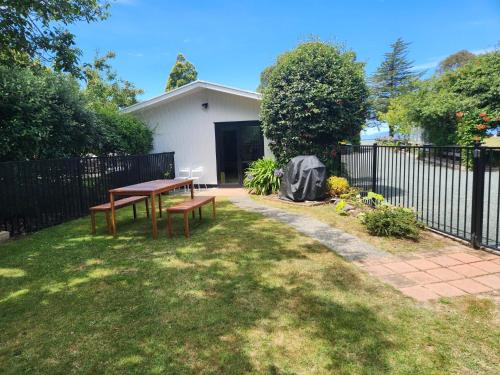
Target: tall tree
(392,78)
(103,85)
(35,29)
(455,61)
(316,97)
(181,74)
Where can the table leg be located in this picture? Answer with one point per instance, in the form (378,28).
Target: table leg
(213,208)
(113,213)
(147,207)
(199,212)
(153,216)
(159,203)
(108,223)
(135,211)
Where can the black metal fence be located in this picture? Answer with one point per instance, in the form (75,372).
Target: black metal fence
(41,193)
(455,190)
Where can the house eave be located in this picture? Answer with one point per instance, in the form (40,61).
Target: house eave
(188,89)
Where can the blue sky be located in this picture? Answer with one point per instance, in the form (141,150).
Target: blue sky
(230,42)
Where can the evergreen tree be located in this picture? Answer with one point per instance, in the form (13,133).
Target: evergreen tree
(182,73)
(392,78)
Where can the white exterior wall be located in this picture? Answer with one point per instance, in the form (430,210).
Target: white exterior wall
(183,126)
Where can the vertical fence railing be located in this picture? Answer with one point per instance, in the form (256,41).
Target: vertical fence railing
(455,190)
(38,194)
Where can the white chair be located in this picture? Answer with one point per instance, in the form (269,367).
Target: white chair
(196,174)
(184,174)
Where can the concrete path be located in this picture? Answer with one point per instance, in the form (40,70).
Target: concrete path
(347,246)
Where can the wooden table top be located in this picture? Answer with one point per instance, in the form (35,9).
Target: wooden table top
(151,186)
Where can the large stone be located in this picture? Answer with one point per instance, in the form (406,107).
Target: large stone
(4,236)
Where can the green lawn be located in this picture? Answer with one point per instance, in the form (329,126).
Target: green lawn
(243,295)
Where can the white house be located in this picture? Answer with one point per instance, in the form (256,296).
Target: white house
(207,125)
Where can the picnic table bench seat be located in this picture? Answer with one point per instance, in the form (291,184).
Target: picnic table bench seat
(185,208)
(106,207)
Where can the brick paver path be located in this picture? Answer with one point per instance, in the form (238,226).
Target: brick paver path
(448,272)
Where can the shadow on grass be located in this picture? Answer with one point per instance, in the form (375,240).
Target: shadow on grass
(82,303)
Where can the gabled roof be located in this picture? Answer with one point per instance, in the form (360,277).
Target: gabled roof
(189,89)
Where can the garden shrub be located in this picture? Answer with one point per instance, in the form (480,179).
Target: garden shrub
(315,97)
(262,177)
(122,133)
(337,186)
(392,221)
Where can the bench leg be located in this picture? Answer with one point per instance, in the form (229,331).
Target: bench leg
(147,207)
(169,225)
(186,224)
(135,211)
(213,208)
(199,212)
(108,223)
(92,221)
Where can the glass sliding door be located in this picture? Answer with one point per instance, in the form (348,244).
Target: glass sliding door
(237,145)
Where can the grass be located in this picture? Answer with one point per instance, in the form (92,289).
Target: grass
(352,225)
(244,294)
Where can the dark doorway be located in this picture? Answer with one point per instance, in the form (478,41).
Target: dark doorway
(238,144)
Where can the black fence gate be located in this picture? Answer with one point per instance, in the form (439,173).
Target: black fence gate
(38,194)
(455,190)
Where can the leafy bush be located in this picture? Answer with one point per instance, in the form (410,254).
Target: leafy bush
(315,97)
(262,177)
(42,115)
(373,199)
(392,221)
(46,115)
(339,207)
(337,186)
(121,133)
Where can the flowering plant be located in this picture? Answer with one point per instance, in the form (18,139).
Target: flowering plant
(473,126)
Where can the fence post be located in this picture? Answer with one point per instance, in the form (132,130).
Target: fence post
(478,171)
(374,168)
(79,171)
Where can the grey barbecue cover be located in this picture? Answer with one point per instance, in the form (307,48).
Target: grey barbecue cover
(304,179)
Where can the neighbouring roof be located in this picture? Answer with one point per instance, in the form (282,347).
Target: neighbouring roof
(189,89)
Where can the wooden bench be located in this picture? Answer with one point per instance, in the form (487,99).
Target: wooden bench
(106,207)
(185,208)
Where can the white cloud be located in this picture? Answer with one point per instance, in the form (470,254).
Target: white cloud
(429,65)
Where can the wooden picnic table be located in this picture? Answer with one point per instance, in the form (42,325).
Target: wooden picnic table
(151,189)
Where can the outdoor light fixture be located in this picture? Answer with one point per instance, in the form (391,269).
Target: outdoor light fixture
(204,105)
